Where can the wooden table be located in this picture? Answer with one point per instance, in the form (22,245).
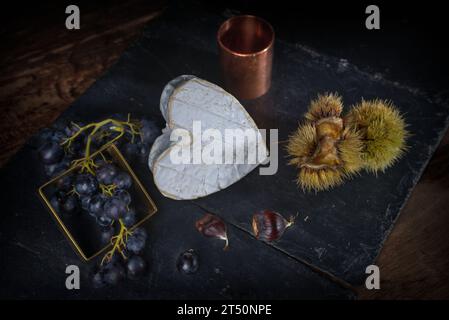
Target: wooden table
(44,72)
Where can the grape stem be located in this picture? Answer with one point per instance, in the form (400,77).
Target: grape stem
(108,190)
(118,243)
(113,125)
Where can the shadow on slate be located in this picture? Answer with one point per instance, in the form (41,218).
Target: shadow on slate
(34,253)
(345,227)
(339,231)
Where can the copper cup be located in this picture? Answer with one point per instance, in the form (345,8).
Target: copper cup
(246,55)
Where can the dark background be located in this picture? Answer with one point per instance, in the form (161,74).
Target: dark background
(410,48)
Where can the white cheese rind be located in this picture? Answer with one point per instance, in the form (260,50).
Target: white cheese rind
(184,100)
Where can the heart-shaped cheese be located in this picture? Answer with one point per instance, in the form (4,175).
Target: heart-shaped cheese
(186,100)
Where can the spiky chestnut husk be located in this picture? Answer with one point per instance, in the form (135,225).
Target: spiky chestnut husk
(383,132)
(324,163)
(328,105)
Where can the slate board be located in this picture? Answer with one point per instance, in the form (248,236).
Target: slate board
(345,227)
(34,253)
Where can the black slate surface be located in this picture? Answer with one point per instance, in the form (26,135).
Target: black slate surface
(34,254)
(338,233)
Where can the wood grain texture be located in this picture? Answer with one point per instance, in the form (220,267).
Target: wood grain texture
(44,72)
(414,261)
(45,68)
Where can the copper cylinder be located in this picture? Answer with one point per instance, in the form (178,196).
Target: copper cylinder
(245,46)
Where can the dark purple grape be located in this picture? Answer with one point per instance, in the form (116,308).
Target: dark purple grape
(188,262)
(144,149)
(64,183)
(76,148)
(104,221)
(58,137)
(136,242)
(98,280)
(86,184)
(141,233)
(107,234)
(51,153)
(70,204)
(72,128)
(114,208)
(122,180)
(129,219)
(135,266)
(53,170)
(149,131)
(85,201)
(130,149)
(106,173)
(45,135)
(56,200)
(114,273)
(96,204)
(123,195)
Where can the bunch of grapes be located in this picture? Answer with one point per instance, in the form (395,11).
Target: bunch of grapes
(57,155)
(140,148)
(106,198)
(103,192)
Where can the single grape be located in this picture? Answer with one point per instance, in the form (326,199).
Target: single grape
(106,235)
(96,204)
(122,180)
(143,149)
(64,183)
(70,204)
(136,242)
(51,153)
(45,135)
(114,208)
(98,280)
(85,184)
(51,135)
(104,221)
(85,201)
(188,262)
(56,200)
(114,272)
(58,137)
(53,170)
(129,219)
(130,149)
(106,173)
(76,148)
(72,128)
(141,233)
(135,266)
(123,195)
(149,131)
